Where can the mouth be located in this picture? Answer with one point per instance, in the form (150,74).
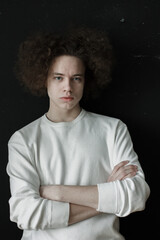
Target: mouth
(67,99)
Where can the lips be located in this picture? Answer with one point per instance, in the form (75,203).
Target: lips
(67,98)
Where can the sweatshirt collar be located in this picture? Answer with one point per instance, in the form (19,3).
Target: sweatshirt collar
(63,124)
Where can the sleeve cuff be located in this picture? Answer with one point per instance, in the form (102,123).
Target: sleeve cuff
(60,214)
(107,197)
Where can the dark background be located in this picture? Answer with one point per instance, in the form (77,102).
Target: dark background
(133,96)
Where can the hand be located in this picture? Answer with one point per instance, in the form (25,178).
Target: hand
(121,171)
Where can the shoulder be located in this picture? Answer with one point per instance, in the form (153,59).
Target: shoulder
(105,121)
(27,132)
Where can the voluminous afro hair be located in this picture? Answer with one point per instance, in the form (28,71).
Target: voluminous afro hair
(36,54)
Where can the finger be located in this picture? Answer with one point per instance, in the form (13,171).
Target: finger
(128,167)
(125,168)
(130,175)
(122,172)
(115,173)
(126,171)
(118,166)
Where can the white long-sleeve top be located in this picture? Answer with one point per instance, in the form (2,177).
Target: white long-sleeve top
(81,152)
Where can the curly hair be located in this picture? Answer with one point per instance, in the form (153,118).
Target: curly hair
(36,54)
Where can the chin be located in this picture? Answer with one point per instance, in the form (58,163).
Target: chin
(70,106)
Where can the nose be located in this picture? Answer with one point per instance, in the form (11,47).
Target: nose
(67,85)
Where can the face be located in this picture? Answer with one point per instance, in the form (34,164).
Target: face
(65,82)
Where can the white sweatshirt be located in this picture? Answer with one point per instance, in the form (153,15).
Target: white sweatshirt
(81,152)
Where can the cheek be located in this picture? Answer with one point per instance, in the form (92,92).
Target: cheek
(51,87)
(82,89)
(50,90)
(80,92)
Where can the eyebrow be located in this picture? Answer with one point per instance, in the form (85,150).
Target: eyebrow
(55,73)
(61,74)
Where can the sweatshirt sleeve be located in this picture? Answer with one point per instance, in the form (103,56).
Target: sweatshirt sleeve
(129,195)
(27,208)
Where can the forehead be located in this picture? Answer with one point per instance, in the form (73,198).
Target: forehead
(67,63)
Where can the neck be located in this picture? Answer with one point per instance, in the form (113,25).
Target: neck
(56,115)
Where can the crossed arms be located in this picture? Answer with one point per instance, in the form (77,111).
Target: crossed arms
(55,206)
(83,200)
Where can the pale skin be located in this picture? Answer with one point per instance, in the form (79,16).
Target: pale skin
(65,84)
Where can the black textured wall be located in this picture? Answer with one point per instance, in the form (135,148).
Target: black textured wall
(133,96)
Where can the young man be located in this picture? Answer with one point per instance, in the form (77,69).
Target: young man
(72,172)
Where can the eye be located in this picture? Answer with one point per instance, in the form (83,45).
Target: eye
(58,78)
(77,79)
